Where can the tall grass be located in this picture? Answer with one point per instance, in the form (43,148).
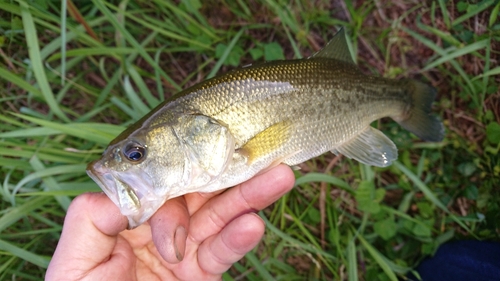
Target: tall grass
(73,76)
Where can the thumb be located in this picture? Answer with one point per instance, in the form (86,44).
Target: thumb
(88,238)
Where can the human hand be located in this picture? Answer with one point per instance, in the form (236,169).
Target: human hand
(193,237)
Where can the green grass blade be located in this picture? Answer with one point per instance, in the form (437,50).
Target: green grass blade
(13,214)
(24,254)
(141,85)
(284,15)
(225,54)
(130,39)
(352,261)
(491,72)
(7,75)
(183,15)
(494,15)
(167,31)
(257,265)
(458,53)
(473,11)
(443,53)
(295,242)
(99,133)
(63,40)
(50,182)
(139,107)
(296,51)
(36,62)
(93,51)
(428,193)
(317,177)
(109,86)
(51,171)
(379,258)
(31,132)
(159,84)
(125,108)
(446,36)
(444,12)
(421,186)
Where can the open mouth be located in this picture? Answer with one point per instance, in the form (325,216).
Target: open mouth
(132,191)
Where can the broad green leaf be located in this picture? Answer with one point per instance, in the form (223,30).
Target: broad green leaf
(225,54)
(256,53)
(273,51)
(471,192)
(386,228)
(421,230)
(366,197)
(493,133)
(425,209)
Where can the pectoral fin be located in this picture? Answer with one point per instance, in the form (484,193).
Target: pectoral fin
(266,142)
(370,147)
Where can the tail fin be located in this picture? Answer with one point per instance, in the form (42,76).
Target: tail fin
(418,119)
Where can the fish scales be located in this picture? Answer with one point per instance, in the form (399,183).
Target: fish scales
(227,129)
(318,92)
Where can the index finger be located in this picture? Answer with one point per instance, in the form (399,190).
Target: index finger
(169,228)
(252,195)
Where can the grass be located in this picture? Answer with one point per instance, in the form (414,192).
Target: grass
(72,81)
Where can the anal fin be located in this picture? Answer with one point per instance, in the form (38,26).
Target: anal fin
(266,141)
(370,147)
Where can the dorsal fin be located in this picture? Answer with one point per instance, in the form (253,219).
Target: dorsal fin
(336,48)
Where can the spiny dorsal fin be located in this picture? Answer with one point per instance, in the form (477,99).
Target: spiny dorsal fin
(336,48)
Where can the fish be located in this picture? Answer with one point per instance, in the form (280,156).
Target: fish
(227,129)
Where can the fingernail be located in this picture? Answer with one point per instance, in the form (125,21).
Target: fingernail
(180,237)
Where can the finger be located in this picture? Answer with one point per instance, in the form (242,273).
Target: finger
(218,253)
(255,194)
(169,228)
(96,212)
(89,235)
(197,199)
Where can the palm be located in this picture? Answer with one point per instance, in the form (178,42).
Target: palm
(148,262)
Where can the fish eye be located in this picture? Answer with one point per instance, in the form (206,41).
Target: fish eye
(134,152)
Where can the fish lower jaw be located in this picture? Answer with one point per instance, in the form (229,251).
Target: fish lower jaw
(139,209)
(140,216)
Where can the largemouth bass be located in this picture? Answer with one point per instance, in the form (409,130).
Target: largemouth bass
(227,129)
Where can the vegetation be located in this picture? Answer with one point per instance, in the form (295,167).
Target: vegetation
(71,81)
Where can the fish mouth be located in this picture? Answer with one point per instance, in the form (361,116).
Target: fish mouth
(131,191)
